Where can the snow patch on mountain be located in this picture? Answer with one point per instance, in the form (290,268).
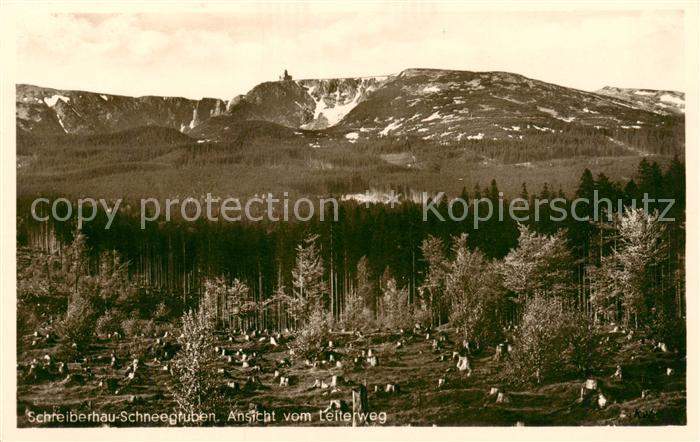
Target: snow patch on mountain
(51,101)
(431,89)
(334,98)
(668,98)
(434,116)
(393,126)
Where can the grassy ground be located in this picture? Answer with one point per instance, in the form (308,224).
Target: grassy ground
(415,368)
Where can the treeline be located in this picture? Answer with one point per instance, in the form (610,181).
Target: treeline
(573,140)
(374,259)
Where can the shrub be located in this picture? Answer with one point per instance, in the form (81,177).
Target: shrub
(541,341)
(162,312)
(587,347)
(396,311)
(110,322)
(28,321)
(669,330)
(355,315)
(312,336)
(136,327)
(421,314)
(79,322)
(194,388)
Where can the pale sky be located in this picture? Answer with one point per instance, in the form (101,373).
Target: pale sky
(225,54)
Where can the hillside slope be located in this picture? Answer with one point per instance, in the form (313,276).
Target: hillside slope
(448,106)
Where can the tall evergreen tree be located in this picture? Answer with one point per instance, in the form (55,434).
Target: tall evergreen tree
(309,286)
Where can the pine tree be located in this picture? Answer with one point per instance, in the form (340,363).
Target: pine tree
(364,284)
(433,287)
(586,185)
(225,303)
(309,287)
(194,388)
(307,303)
(524,193)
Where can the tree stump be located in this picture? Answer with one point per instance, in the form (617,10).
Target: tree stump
(618,373)
(463,365)
(502,398)
(602,400)
(336,404)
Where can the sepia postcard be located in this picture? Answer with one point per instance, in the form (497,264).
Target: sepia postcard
(357,220)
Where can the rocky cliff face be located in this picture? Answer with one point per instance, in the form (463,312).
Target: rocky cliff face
(45,111)
(305,104)
(335,98)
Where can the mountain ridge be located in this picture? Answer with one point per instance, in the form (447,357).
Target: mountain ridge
(436,105)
